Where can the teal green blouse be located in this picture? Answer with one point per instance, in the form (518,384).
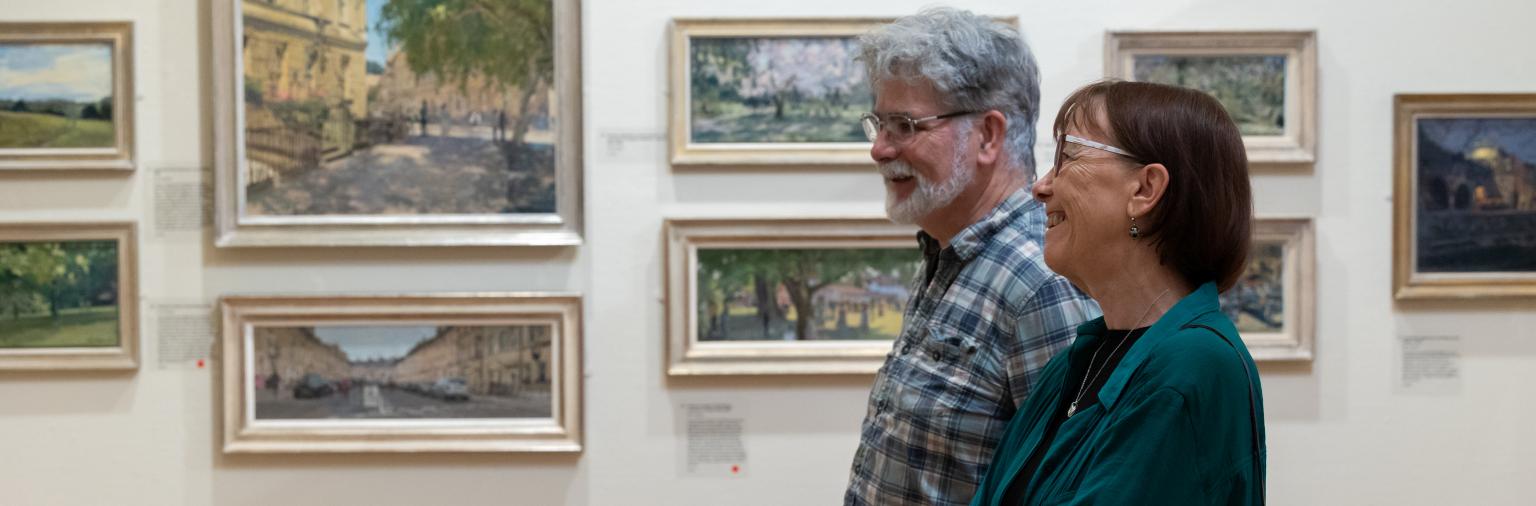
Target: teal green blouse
(1175,422)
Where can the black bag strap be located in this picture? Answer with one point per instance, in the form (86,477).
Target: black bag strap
(1253,411)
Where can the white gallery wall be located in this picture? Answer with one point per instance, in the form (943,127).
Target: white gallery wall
(1340,430)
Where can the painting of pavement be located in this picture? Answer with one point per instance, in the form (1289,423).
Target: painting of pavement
(390,107)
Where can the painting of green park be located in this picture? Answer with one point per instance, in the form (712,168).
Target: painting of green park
(1251,87)
(56,96)
(58,294)
(775,90)
(802,294)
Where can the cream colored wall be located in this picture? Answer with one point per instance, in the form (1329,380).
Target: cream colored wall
(1338,432)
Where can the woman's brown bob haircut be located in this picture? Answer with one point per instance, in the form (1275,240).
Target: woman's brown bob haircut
(1202,225)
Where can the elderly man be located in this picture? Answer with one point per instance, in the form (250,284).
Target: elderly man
(956,99)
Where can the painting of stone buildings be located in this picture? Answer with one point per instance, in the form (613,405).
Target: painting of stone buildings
(802,294)
(398,107)
(1256,303)
(1476,194)
(402,372)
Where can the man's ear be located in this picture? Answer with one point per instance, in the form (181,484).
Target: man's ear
(1151,182)
(994,129)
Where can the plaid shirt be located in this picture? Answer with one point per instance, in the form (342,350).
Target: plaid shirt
(985,316)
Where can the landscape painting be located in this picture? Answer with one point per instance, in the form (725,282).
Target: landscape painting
(1251,87)
(56,95)
(402,108)
(402,372)
(1257,302)
(776,90)
(59,294)
(803,294)
(1475,211)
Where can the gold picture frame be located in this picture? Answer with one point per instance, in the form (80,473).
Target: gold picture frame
(1474,194)
(788,345)
(69,288)
(495,372)
(1296,140)
(481,162)
(1274,303)
(68,101)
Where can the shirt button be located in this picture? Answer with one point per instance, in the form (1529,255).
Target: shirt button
(906,348)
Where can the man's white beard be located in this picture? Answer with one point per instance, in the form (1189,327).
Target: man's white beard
(927,197)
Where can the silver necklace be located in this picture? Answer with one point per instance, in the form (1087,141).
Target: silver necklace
(1081,389)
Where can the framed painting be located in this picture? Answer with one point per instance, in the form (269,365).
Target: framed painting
(66,96)
(777,92)
(1464,196)
(1267,80)
(68,296)
(397,123)
(1274,300)
(430,373)
(801,296)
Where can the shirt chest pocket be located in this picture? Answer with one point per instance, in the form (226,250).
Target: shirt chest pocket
(949,373)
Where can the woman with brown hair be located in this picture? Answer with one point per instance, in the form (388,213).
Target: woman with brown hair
(1157,402)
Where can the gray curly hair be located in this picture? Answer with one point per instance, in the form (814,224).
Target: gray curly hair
(974,62)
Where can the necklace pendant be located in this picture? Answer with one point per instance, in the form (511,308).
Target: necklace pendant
(1072,410)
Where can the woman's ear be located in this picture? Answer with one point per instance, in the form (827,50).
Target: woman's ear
(994,126)
(1151,183)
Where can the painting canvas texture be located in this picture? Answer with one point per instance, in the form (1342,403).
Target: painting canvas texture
(1257,302)
(1475,208)
(59,294)
(776,90)
(402,372)
(802,294)
(398,107)
(56,95)
(1251,87)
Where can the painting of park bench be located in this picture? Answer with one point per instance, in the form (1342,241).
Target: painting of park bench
(768,92)
(61,86)
(1465,196)
(1266,80)
(471,373)
(67,296)
(1273,300)
(786,296)
(403,118)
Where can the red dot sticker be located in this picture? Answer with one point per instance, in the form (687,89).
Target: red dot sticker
(199,363)
(735,469)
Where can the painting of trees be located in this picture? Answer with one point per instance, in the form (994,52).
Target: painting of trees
(1251,87)
(776,89)
(56,289)
(802,294)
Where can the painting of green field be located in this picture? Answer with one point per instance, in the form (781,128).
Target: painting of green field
(56,95)
(803,294)
(775,89)
(1257,302)
(58,294)
(1251,87)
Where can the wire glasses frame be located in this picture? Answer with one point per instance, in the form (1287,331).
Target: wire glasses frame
(898,126)
(1089,143)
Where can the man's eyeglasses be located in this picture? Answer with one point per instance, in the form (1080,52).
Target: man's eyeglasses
(898,126)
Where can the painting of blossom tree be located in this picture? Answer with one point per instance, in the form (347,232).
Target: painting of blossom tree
(775,90)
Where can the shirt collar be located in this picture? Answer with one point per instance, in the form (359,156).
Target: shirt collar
(973,239)
(1199,302)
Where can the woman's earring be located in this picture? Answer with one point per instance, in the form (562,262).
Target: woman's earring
(1135,232)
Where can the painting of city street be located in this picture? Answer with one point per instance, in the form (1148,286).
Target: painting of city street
(402,372)
(1475,204)
(398,108)
(1257,302)
(802,294)
(1251,87)
(56,95)
(59,294)
(775,90)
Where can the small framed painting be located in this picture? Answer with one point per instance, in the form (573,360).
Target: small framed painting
(785,296)
(440,373)
(66,96)
(1274,301)
(1464,196)
(68,296)
(1267,80)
